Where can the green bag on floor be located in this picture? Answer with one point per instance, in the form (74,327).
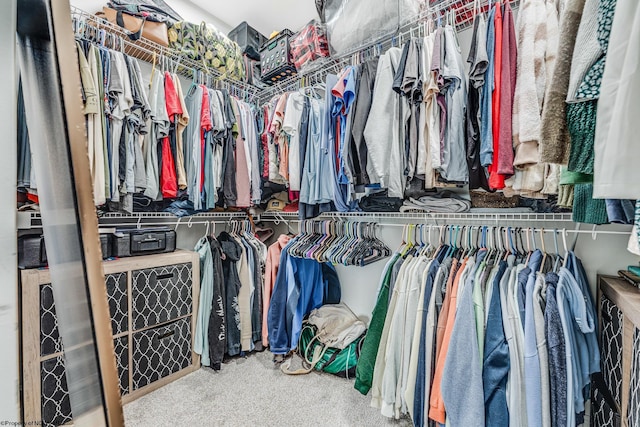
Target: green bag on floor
(330,341)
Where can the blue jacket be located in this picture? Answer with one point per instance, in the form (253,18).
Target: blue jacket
(496,362)
(578,321)
(301,285)
(462,390)
(276,317)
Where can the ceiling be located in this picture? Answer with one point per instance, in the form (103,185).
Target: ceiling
(265,16)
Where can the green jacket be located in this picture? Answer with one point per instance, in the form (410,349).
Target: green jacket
(369,351)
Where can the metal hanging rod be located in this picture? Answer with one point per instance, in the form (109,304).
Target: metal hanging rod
(33,220)
(159,215)
(492,216)
(594,233)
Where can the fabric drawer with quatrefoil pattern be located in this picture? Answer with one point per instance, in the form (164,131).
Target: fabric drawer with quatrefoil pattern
(602,413)
(633,413)
(50,342)
(56,408)
(151,301)
(161,351)
(615,397)
(161,294)
(611,343)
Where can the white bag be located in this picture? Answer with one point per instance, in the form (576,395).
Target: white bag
(337,325)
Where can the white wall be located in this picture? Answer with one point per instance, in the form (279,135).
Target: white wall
(9,365)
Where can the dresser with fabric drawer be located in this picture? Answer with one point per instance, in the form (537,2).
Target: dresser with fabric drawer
(153,306)
(615,393)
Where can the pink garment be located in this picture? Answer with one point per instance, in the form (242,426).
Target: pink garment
(243,182)
(271,271)
(507,92)
(206,125)
(264,139)
(278,115)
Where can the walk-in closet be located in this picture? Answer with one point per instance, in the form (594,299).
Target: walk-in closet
(320,213)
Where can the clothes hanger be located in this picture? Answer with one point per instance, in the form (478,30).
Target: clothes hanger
(566,249)
(495,247)
(206,232)
(558,259)
(544,251)
(464,242)
(511,245)
(526,231)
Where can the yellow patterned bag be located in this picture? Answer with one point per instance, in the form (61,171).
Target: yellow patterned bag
(205,44)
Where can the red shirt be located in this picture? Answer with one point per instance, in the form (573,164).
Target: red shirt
(172,101)
(168,178)
(496,181)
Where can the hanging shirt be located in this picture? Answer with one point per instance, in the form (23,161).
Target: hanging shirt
(454,167)
(496,367)
(344,92)
(507,91)
(431,138)
(278,149)
(243,183)
(478,62)
(496,181)
(95,126)
(201,339)
(291,124)
(385,141)
(181,123)
(486,109)
(192,135)
(440,111)
(121,103)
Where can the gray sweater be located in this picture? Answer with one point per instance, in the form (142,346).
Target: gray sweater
(555,141)
(557,358)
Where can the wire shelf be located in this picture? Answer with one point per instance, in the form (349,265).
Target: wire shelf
(415,27)
(33,220)
(488,217)
(115,37)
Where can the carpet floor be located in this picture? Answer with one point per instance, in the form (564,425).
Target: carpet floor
(252,392)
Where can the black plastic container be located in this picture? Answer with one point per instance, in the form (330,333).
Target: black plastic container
(275,59)
(249,39)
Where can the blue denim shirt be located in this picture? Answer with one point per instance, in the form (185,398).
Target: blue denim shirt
(496,362)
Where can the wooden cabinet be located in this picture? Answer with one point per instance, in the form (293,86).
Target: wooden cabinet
(153,306)
(616,399)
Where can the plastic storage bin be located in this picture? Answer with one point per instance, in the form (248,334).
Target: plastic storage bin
(249,39)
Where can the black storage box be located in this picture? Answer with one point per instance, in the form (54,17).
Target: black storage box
(275,59)
(143,241)
(32,252)
(105,245)
(249,39)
